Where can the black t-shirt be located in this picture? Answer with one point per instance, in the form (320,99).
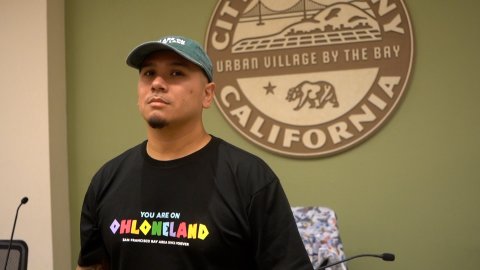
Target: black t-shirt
(218,208)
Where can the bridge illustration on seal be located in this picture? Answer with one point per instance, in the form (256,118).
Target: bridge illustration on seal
(308,23)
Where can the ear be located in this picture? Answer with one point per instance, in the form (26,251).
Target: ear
(209,93)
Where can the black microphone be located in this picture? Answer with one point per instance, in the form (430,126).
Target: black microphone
(385,256)
(22,202)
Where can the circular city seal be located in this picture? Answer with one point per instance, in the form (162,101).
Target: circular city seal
(309,78)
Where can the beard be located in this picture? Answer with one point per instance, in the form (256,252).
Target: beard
(157,123)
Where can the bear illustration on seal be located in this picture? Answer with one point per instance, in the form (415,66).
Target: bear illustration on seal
(316,94)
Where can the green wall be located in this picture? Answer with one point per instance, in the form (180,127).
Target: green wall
(412,189)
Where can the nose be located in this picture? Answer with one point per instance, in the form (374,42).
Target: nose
(159,84)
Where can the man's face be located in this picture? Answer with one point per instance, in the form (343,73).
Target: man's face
(172,91)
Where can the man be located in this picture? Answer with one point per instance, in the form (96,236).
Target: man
(184,199)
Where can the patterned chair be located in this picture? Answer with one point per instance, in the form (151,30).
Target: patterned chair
(319,232)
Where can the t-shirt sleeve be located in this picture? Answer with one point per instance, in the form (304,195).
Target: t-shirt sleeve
(276,239)
(92,250)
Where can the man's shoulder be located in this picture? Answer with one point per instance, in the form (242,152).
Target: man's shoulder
(233,153)
(243,164)
(126,157)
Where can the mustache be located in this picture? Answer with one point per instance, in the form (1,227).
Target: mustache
(156,98)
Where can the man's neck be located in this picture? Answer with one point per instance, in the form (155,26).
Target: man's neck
(165,145)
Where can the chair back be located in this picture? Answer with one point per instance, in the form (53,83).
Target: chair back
(321,237)
(18,256)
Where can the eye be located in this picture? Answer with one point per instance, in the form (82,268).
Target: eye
(176,73)
(148,73)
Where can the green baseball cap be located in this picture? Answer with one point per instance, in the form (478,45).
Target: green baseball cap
(185,47)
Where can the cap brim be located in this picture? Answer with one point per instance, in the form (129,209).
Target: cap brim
(195,55)
(136,57)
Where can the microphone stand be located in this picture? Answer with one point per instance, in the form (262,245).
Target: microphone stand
(384,256)
(22,202)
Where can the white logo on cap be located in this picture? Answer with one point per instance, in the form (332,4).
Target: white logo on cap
(173,40)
